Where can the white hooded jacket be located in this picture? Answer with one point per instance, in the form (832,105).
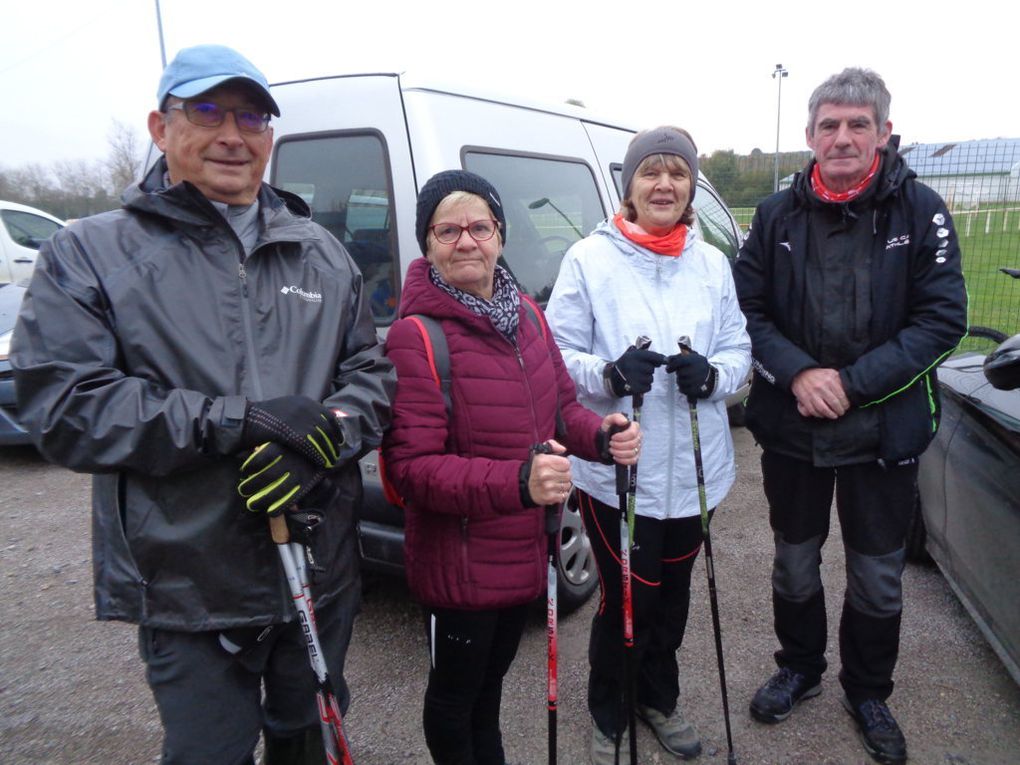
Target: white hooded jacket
(610,291)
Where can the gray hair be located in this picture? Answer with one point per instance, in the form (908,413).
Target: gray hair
(853,86)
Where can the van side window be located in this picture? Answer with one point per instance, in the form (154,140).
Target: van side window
(549,203)
(345,179)
(717,226)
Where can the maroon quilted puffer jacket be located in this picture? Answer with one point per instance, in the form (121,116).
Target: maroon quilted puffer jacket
(469,541)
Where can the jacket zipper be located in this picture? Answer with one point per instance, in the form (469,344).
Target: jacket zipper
(249,333)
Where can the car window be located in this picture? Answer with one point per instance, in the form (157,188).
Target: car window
(550,203)
(717,225)
(345,179)
(27,229)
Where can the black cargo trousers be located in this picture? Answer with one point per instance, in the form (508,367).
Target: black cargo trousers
(874,501)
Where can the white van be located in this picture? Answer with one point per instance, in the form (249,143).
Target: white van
(357,148)
(22,230)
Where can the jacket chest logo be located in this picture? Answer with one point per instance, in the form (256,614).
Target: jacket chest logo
(897,241)
(311,297)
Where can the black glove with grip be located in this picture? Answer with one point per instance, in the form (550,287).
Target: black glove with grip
(303,425)
(274,478)
(695,377)
(632,373)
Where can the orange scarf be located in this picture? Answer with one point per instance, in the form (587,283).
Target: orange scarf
(818,185)
(671,244)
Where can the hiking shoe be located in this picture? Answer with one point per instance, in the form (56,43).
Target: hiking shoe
(881,736)
(676,735)
(775,700)
(603,748)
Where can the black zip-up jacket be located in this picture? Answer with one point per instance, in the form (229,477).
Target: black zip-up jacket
(141,336)
(918,314)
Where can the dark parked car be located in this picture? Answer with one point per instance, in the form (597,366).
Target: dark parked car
(968,514)
(11,432)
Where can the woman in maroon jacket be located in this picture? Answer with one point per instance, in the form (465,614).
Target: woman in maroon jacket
(474,488)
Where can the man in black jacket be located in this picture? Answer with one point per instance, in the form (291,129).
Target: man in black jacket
(853,291)
(209,354)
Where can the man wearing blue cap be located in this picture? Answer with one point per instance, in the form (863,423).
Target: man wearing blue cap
(209,354)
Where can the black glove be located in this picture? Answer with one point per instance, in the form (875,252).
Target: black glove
(631,374)
(297,422)
(275,478)
(695,377)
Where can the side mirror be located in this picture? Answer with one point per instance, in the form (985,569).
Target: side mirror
(1002,366)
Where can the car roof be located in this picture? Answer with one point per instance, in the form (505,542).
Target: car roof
(4,205)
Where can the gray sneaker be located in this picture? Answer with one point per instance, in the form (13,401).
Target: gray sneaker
(676,735)
(603,748)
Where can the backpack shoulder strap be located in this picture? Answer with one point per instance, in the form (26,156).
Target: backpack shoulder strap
(438,353)
(534,313)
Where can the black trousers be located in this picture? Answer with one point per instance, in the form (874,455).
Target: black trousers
(214,705)
(873,503)
(662,557)
(470,653)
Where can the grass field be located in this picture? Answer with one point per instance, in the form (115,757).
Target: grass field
(989,239)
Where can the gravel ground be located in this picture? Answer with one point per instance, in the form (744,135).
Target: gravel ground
(72,690)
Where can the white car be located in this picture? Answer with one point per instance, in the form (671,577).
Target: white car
(23,229)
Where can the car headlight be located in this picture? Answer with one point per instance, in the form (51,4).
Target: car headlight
(5,345)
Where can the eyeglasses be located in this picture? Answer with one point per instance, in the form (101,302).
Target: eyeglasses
(450,233)
(209,114)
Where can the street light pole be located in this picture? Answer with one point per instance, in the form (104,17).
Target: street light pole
(778,74)
(159,27)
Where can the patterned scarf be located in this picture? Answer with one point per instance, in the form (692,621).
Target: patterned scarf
(671,244)
(823,193)
(501,310)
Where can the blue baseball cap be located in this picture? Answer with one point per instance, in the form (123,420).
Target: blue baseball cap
(201,68)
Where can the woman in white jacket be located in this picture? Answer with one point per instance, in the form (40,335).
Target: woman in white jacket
(646,272)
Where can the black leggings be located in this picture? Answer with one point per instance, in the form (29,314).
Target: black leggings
(662,557)
(470,652)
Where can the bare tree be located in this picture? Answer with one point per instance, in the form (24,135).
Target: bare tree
(123,163)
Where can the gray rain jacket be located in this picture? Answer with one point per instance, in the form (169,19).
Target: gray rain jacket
(142,334)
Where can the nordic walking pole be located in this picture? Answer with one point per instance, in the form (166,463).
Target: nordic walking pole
(626,487)
(292,556)
(692,403)
(622,486)
(552,530)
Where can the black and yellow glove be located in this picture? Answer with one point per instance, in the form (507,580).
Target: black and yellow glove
(302,424)
(275,478)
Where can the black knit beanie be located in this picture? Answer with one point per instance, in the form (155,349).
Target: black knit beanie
(441,185)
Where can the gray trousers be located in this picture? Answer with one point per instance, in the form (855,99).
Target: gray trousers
(211,703)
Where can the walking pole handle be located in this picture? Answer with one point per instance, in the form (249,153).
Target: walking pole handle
(685,348)
(278,529)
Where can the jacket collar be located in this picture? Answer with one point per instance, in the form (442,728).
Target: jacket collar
(185,204)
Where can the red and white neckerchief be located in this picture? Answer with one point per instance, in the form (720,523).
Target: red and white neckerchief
(671,244)
(823,193)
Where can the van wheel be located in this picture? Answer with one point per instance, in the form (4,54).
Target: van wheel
(917,535)
(576,576)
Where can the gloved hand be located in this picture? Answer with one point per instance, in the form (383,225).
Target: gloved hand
(297,422)
(695,377)
(631,374)
(274,478)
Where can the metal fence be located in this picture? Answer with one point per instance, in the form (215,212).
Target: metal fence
(980,182)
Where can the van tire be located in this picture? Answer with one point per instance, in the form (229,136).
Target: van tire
(576,575)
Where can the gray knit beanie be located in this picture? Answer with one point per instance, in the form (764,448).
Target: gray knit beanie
(660,140)
(441,185)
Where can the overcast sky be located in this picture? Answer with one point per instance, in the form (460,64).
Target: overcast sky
(68,68)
